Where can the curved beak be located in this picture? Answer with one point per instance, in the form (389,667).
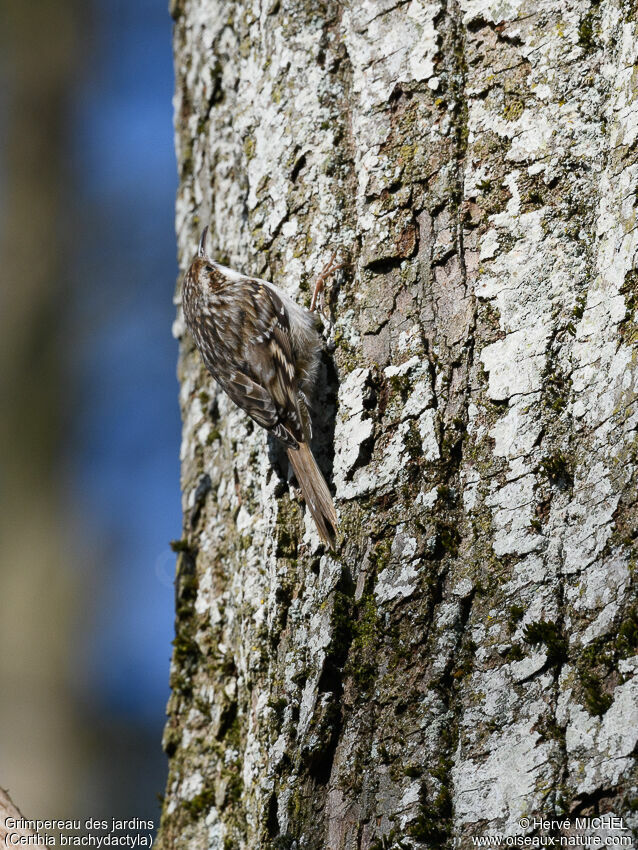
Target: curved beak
(201,250)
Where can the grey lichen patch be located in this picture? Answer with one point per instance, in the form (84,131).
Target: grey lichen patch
(465,657)
(546,475)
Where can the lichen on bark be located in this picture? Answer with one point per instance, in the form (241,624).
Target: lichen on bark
(468,655)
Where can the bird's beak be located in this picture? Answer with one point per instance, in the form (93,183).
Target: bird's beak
(201,251)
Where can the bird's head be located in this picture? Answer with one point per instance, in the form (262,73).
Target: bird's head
(203,274)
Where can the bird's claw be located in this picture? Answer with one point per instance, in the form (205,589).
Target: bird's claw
(328,269)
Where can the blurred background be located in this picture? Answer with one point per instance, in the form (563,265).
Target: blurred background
(89,423)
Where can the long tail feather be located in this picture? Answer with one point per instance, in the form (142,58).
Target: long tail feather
(315,492)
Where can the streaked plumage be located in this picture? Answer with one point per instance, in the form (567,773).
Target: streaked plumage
(263,350)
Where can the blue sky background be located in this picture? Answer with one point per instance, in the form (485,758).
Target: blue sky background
(125,444)
(91,375)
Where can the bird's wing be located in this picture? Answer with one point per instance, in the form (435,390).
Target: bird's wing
(261,376)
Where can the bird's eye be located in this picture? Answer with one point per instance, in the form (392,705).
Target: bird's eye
(209,269)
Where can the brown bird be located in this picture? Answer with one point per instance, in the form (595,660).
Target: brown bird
(263,350)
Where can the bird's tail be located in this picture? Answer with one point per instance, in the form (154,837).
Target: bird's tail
(315,492)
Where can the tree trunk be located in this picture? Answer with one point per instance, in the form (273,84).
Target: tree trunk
(467,657)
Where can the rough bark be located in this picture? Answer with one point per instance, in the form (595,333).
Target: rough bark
(10,834)
(468,657)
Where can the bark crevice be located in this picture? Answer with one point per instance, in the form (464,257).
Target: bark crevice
(476,415)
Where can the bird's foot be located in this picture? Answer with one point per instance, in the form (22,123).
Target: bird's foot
(330,268)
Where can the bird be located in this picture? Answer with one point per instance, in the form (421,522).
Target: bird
(263,349)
